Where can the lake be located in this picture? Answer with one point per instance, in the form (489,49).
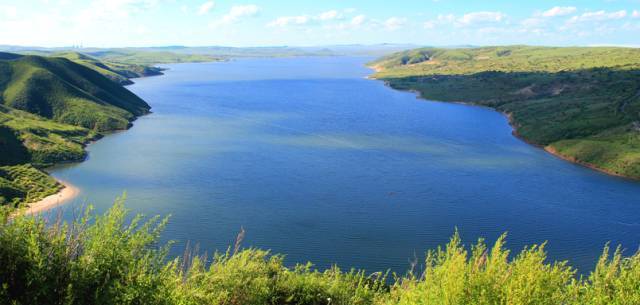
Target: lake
(317,162)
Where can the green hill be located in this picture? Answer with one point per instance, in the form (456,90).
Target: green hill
(145,57)
(28,138)
(118,72)
(50,107)
(25,183)
(67,92)
(580,103)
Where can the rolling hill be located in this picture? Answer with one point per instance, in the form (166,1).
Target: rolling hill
(118,72)
(582,104)
(50,107)
(67,92)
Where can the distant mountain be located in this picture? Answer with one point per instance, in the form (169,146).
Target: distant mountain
(177,54)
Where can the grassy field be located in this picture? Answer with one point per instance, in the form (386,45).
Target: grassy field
(117,259)
(580,103)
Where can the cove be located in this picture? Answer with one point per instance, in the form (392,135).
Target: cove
(316,162)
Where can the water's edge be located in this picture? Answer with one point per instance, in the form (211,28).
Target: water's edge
(514,131)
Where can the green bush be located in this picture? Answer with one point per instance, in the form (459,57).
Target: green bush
(109,260)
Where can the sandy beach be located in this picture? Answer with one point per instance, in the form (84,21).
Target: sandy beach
(68,192)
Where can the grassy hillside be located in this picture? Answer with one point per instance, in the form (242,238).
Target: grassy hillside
(118,72)
(109,260)
(25,183)
(28,138)
(580,103)
(50,107)
(66,92)
(147,57)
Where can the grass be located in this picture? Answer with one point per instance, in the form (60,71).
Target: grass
(50,107)
(582,103)
(116,71)
(32,139)
(147,57)
(66,92)
(116,259)
(25,183)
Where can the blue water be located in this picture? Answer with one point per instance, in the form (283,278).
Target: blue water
(317,162)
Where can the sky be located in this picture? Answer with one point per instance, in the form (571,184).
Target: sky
(136,23)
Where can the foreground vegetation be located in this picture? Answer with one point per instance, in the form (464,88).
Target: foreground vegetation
(580,103)
(109,260)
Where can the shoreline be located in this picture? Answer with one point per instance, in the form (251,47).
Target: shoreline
(68,192)
(514,131)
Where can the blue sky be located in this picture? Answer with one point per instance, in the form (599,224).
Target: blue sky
(118,23)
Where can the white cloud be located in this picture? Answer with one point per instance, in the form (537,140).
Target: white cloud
(236,13)
(59,27)
(324,17)
(465,20)
(329,15)
(535,25)
(354,23)
(598,16)
(358,20)
(429,24)
(205,7)
(636,14)
(394,23)
(559,11)
(533,22)
(289,20)
(481,17)
(109,10)
(446,18)
(469,19)
(8,11)
(141,30)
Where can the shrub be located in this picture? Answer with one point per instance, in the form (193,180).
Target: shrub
(109,260)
